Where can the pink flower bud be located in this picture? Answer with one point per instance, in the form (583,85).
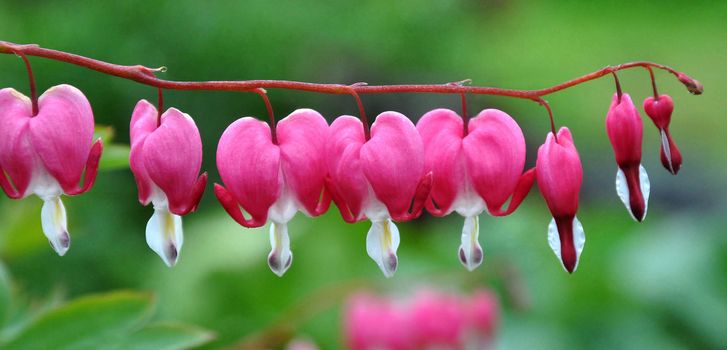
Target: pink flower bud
(625,130)
(47,154)
(560,176)
(659,110)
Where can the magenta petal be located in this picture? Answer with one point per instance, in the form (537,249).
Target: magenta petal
(393,162)
(172,156)
(249,165)
(625,130)
(347,183)
(302,138)
(495,156)
(560,174)
(441,133)
(143,123)
(62,134)
(91,169)
(16,153)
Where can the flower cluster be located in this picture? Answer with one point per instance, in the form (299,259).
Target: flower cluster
(392,172)
(430,320)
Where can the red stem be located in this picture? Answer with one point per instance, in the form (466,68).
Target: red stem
(146,76)
(619,92)
(653,82)
(264,95)
(545,104)
(31,80)
(160,106)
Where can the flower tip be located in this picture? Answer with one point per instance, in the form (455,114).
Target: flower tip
(276,263)
(62,244)
(171,256)
(693,85)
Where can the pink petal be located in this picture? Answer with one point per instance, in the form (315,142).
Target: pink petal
(625,130)
(91,169)
(495,156)
(559,173)
(172,156)
(16,152)
(441,133)
(393,162)
(62,134)
(302,138)
(249,165)
(143,123)
(347,183)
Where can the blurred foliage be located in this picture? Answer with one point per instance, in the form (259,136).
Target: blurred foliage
(659,284)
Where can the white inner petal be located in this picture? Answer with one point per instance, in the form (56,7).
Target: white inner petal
(164,235)
(470,251)
(622,189)
(280,257)
(54,223)
(666,148)
(579,240)
(382,242)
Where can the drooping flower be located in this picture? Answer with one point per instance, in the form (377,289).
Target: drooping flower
(379,179)
(272,181)
(375,323)
(625,130)
(659,109)
(166,157)
(560,176)
(46,154)
(473,172)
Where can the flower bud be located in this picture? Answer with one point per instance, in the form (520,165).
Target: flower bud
(659,109)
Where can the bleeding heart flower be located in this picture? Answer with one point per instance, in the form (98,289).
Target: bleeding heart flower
(473,172)
(560,177)
(625,130)
(378,179)
(659,109)
(166,157)
(46,154)
(274,181)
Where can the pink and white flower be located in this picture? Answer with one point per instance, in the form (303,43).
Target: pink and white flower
(166,157)
(659,109)
(379,179)
(46,154)
(625,130)
(560,176)
(272,181)
(474,172)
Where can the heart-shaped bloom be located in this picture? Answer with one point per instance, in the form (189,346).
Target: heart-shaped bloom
(46,154)
(625,130)
(272,181)
(166,157)
(378,179)
(473,172)
(560,176)
(659,109)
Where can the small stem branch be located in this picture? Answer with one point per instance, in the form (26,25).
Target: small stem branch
(361,110)
(271,116)
(618,86)
(465,117)
(653,82)
(31,81)
(545,104)
(160,106)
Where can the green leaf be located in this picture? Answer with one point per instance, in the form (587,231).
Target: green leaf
(167,337)
(115,156)
(94,322)
(4,295)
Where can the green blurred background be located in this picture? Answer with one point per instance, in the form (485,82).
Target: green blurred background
(660,284)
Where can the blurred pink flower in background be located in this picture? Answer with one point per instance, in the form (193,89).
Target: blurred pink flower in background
(431,320)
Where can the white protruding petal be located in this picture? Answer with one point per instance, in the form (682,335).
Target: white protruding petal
(164,235)
(470,252)
(579,240)
(622,189)
(280,257)
(54,223)
(666,148)
(382,242)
